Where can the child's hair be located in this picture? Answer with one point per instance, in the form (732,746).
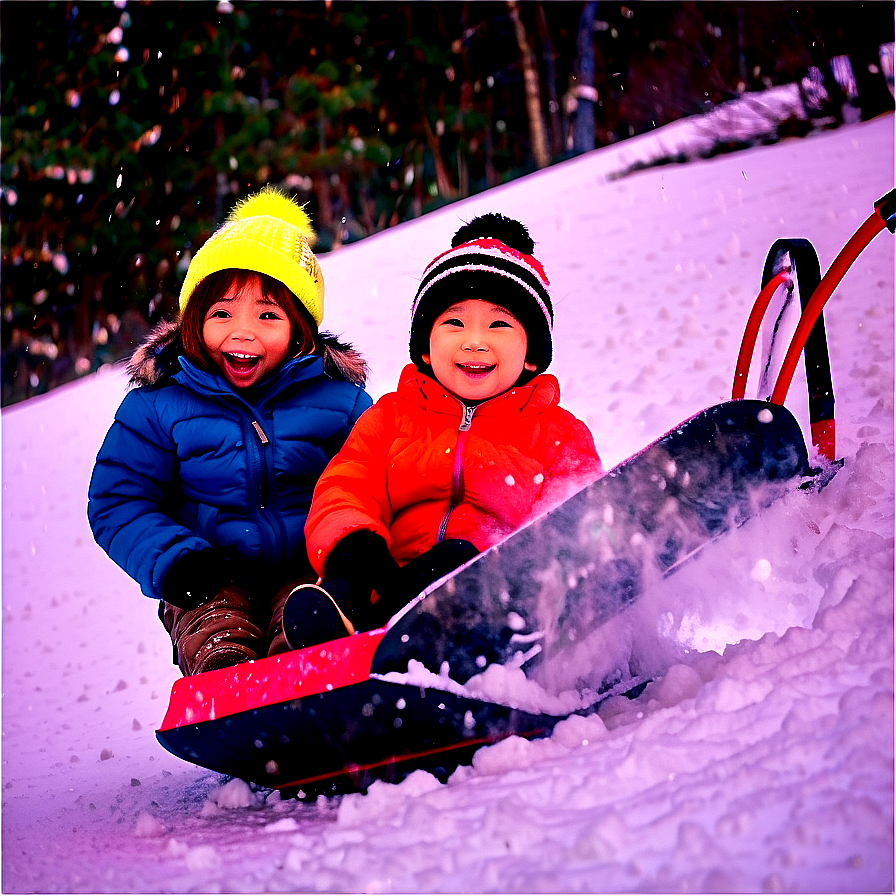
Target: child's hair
(491,259)
(211,288)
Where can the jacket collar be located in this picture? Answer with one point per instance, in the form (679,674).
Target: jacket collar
(540,393)
(208,383)
(160,358)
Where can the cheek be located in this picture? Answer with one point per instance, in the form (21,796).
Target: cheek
(439,348)
(518,349)
(285,343)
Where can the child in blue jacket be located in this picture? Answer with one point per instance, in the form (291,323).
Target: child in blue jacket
(202,486)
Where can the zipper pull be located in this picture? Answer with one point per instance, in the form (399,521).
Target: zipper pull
(467,419)
(260,433)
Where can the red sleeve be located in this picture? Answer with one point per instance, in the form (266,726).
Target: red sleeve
(352,492)
(573,464)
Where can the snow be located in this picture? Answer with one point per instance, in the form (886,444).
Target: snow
(761,761)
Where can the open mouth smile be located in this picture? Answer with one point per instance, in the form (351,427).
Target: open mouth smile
(240,362)
(476,371)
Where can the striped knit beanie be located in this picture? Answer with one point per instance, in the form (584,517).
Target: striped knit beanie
(268,233)
(490,259)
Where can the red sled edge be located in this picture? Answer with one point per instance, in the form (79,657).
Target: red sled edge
(265,682)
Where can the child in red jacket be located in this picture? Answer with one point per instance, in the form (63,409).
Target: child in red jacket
(471,446)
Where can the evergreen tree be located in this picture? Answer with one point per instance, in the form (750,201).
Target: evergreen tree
(129,129)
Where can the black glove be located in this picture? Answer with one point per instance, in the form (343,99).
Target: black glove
(195,578)
(359,564)
(434,564)
(412,578)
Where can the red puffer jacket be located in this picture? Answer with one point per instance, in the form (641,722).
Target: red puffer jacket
(419,467)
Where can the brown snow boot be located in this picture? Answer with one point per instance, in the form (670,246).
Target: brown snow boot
(215,635)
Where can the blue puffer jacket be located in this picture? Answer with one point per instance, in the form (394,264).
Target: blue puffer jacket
(190,464)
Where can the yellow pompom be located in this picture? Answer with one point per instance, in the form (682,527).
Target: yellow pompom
(273,202)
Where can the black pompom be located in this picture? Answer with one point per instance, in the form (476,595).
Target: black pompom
(496,227)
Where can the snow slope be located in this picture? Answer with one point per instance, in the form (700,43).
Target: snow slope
(764,765)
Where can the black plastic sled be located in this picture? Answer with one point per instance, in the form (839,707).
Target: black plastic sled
(377,705)
(530,599)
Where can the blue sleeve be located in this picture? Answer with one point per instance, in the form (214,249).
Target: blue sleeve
(133,491)
(363,402)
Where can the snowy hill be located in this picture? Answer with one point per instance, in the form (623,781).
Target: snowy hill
(762,764)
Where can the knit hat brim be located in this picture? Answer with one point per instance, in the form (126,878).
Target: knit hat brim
(304,279)
(490,271)
(267,233)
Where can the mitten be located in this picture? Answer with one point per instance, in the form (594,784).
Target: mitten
(341,604)
(195,578)
(434,564)
(359,564)
(405,583)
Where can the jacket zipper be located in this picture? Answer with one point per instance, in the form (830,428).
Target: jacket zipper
(264,441)
(457,475)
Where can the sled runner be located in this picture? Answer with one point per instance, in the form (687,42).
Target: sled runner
(378,705)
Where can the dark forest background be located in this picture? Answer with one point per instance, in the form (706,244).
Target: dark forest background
(129,129)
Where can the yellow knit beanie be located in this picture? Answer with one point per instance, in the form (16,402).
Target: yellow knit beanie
(268,233)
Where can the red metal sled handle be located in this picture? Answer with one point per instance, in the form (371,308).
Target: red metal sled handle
(850,252)
(748,344)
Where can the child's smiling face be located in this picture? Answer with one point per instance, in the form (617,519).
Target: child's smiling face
(246,334)
(477,349)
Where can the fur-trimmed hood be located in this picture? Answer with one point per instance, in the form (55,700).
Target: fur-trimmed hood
(157,357)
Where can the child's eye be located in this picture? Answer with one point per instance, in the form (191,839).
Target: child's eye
(453,322)
(219,314)
(499,323)
(269,315)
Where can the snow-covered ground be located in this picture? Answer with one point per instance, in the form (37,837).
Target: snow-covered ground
(763,766)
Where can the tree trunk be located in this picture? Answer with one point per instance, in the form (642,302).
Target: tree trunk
(443,182)
(550,75)
(856,32)
(874,95)
(533,93)
(492,178)
(586,95)
(323,220)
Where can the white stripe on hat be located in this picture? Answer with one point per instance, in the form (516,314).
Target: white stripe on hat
(480,266)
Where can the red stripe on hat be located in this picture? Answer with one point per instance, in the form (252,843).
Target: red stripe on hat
(529,261)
